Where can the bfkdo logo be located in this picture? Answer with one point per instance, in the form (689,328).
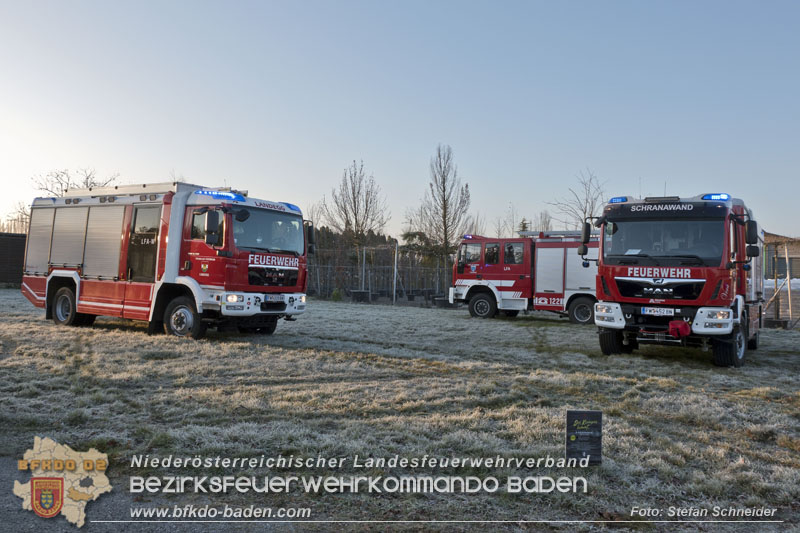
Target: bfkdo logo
(63,481)
(47,495)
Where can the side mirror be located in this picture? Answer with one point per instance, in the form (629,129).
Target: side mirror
(311,236)
(751,230)
(583,249)
(586,232)
(212,222)
(212,228)
(752,250)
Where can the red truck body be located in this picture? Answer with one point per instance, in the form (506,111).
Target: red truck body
(678,271)
(536,271)
(134,251)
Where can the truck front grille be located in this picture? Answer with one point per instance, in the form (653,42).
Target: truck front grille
(272,277)
(678,290)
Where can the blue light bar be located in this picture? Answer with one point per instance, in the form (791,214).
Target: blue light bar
(221,195)
(291,206)
(717,196)
(618,200)
(467,236)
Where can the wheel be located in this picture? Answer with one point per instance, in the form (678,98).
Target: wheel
(482,305)
(730,351)
(611,341)
(65,311)
(752,344)
(511,314)
(182,319)
(581,310)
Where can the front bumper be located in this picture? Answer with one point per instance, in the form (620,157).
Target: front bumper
(705,320)
(249,304)
(457,293)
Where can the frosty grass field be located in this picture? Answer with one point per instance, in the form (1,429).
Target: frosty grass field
(350,379)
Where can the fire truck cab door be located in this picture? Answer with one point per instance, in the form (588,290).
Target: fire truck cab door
(141,267)
(515,267)
(469,260)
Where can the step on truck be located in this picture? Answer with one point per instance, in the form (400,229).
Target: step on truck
(181,257)
(535,271)
(679,271)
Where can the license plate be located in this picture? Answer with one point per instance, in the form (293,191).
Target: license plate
(658,311)
(274,298)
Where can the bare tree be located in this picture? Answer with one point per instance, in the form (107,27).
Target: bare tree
(315,213)
(511,220)
(584,200)
(58,182)
(476,225)
(357,206)
(18,220)
(542,222)
(499,226)
(443,215)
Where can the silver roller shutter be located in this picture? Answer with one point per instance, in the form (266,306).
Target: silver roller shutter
(38,250)
(69,230)
(101,258)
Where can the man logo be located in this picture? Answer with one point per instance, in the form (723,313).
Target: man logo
(47,495)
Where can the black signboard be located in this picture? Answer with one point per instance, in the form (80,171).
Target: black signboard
(660,210)
(584,435)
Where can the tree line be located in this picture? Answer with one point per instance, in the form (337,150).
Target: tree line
(355,214)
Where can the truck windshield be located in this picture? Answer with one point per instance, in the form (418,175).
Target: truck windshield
(269,231)
(663,242)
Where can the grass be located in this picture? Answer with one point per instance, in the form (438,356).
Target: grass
(372,380)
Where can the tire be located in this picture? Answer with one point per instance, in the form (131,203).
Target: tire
(611,341)
(482,305)
(64,308)
(182,319)
(752,344)
(581,310)
(511,314)
(730,351)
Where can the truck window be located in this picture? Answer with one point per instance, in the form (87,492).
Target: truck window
(199,226)
(491,253)
(143,245)
(513,253)
(469,253)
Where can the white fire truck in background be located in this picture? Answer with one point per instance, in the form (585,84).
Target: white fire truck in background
(535,271)
(181,257)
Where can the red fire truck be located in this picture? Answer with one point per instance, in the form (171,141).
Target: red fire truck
(536,271)
(678,271)
(181,257)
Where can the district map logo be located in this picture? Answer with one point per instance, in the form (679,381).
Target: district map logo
(62,480)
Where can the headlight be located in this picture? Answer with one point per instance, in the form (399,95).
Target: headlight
(303,299)
(719,315)
(234,298)
(600,308)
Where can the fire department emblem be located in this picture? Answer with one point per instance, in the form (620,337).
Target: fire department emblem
(47,495)
(204,267)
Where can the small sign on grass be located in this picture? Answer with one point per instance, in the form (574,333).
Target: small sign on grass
(585,436)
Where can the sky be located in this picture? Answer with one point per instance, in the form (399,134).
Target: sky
(279,97)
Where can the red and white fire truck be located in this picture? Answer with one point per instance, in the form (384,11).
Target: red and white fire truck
(535,271)
(182,257)
(678,271)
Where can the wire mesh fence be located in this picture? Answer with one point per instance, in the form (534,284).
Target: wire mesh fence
(372,282)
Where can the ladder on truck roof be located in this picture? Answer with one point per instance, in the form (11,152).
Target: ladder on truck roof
(146,188)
